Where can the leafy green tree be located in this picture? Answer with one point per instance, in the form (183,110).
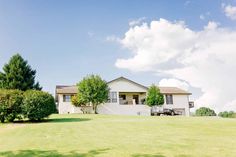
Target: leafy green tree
(78,102)
(92,90)
(205,111)
(17,74)
(154,96)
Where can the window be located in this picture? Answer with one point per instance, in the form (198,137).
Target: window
(112,97)
(169,99)
(66,98)
(123,97)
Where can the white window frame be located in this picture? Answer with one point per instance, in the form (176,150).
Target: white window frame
(67,98)
(112,97)
(169,99)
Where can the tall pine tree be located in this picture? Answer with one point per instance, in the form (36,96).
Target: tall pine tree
(17,74)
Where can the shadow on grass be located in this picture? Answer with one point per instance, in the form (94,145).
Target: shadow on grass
(65,120)
(51,153)
(55,120)
(147,155)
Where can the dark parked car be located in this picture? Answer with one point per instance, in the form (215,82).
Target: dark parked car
(157,111)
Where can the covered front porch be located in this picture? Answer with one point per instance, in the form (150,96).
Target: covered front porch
(131,98)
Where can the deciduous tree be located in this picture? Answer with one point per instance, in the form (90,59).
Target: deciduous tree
(154,96)
(92,90)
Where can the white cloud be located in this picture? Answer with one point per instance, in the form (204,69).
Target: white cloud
(186,3)
(205,15)
(202,17)
(230,11)
(162,36)
(173,83)
(211,25)
(137,21)
(230,106)
(204,59)
(112,38)
(90,34)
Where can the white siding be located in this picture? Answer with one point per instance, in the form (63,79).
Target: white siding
(179,102)
(117,109)
(125,86)
(66,107)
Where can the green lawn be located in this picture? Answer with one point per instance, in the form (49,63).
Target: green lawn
(135,136)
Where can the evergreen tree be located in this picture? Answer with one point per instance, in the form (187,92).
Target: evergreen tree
(17,74)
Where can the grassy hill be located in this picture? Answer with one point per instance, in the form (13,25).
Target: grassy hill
(106,135)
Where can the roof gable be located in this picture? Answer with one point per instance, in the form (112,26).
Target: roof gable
(125,85)
(128,80)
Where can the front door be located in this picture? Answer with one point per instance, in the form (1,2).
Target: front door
(135,97)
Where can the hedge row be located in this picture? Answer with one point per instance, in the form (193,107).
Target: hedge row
(226,114)
(32,104)
(205,111)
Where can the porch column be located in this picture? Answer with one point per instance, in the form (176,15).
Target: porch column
(118,98)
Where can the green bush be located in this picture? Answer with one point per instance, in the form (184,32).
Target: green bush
(38,105)
(204,111)
(154,96)
(226,114)
(10,105)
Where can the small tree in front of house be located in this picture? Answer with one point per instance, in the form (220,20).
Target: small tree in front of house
(78,102)
(154,96)
(92,90)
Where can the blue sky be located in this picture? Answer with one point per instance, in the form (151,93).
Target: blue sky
(66,40)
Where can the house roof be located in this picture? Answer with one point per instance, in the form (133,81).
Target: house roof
(66,89)
(123,78)
(61,89)
(173,90)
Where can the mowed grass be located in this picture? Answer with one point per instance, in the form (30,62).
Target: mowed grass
(111,136)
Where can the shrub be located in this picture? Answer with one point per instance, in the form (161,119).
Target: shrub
(154,96)
(204,111)
(226,114)
(74,101)
(38,105)
(10,105)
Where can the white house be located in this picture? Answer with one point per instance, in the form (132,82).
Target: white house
(126,97)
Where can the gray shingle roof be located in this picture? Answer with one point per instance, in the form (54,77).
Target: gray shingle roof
(66,90)
(165,90)
(173,90)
